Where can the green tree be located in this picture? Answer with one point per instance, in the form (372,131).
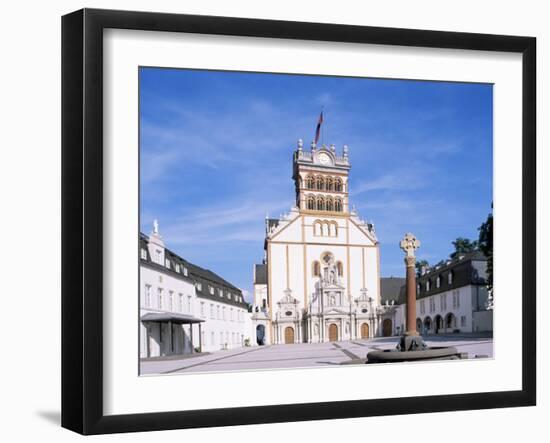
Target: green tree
(463,245)
(419,264)
(486,246)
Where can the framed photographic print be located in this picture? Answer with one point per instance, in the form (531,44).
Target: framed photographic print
(269,221)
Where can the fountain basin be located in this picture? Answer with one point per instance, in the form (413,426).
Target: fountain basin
(433,353)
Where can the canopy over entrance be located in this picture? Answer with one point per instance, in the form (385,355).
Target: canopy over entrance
(182,319)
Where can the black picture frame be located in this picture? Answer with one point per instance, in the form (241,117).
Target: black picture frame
(82,218)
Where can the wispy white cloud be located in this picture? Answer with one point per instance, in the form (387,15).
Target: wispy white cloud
(390,182)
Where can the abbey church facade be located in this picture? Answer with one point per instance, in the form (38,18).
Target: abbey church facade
(320,278)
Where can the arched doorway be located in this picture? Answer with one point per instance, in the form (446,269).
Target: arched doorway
(365,330)
(427,324)
(450,322)
(386,328)
(289,335)
(438,323)
(333,332)
(260,335)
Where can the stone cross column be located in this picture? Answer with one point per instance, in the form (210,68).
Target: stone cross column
(409,244)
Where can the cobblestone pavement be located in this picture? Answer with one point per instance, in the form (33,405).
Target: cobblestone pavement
(307,355)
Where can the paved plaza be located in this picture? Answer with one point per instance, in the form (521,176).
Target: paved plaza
(306,355)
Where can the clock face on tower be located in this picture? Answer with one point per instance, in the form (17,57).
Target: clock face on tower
(324,159)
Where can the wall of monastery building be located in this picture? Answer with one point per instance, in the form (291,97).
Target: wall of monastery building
(224,325)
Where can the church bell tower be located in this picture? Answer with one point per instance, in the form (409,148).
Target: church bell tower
(321,179)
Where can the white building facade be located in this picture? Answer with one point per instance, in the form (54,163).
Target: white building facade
(185,309)
(320,280)
(452,297)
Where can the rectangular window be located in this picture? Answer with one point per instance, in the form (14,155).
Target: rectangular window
(218,309)
(185,271)
(211,290)
(189,305)
(211,310)
(202,309)
(171,301)
(224,316)
(212,338)
(177,268)
(147,300)
(159,305)
(199,286)
(167,263)
(180,296)
(143,254)
(220,292)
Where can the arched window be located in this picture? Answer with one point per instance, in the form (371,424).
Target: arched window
(326,229)
(330,184)
(330,204)
(334,229)
(317,228)
(428,285)
(320,182)
(311,202)
(450,277)
(310,182)
(338,186)
(316,269)
(438,281)
(340,268)
(320,204)
(338,205)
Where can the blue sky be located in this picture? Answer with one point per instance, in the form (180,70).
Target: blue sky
(216,155)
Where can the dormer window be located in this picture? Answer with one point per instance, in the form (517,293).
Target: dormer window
(199,286)
(167,263)
(438,281)
(185,271)
(450,277)
(143,254)
(178,268)
(428,285)
(211,290)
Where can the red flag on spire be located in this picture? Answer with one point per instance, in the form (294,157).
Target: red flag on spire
(318,130)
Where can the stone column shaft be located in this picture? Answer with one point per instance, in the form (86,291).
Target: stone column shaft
(411,296)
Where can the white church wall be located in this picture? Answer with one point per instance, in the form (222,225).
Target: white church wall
(357,236)
(288,231)
(372,272)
